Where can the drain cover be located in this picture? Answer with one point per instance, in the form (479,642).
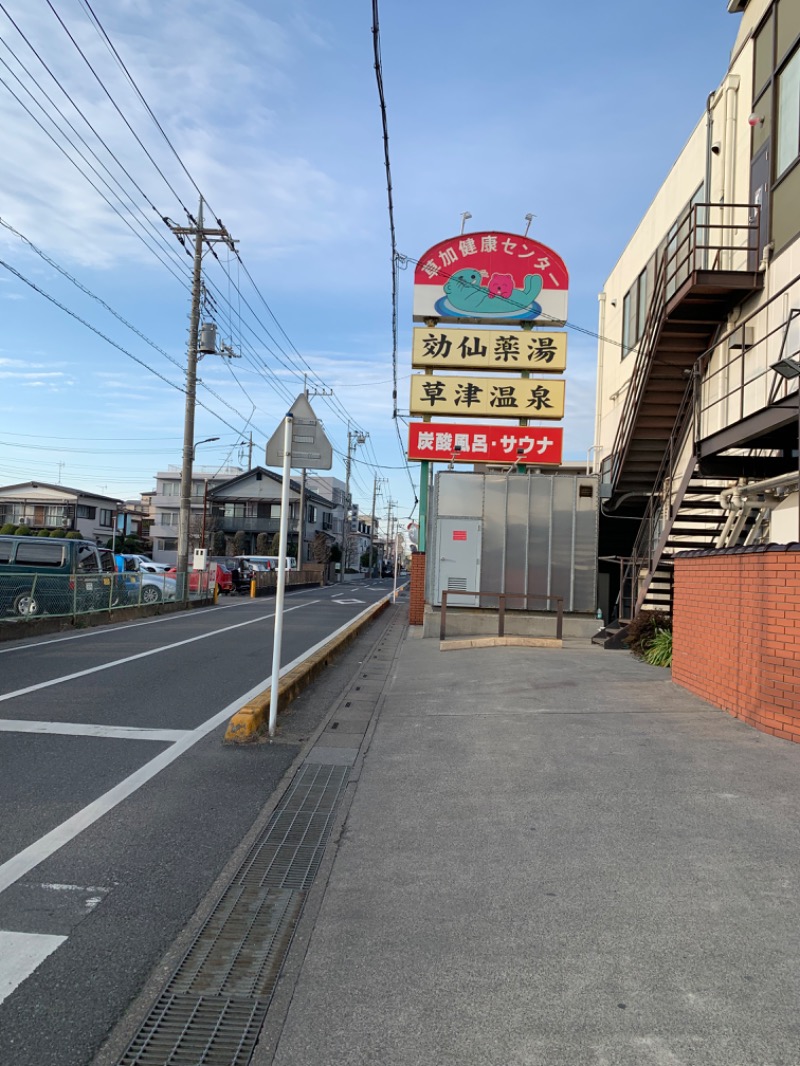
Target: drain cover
(197,1031)
(239,950)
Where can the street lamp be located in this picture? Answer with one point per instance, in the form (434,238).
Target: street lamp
(789,370)
(206,441)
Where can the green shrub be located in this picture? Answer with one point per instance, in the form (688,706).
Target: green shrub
(43,533)
(659,650)
(23,531)
(73,535)
(642,630)
(57,533)
(8,529)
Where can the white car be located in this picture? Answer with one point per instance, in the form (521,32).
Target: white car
(147,566)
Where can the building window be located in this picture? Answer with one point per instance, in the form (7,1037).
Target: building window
(86,512)
(167,518)
(169,544)
(312,513)
(106,518)
(787,147)
(169,488)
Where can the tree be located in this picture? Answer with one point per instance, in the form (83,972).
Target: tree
(336,553)
(218,543)
(320,548)
(365,560)
(239,542)
(263,544)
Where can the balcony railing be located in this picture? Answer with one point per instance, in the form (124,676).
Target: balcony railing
(250,525)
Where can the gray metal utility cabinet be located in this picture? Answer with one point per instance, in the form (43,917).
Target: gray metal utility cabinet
(523,533)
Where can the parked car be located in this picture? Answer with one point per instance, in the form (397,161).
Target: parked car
(146,564)
(241,569)
(217,573)
(54,575)
(142,585)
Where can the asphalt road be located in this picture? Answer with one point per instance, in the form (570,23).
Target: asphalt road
(119,804)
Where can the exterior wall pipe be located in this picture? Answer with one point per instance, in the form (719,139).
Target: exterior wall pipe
(731,101)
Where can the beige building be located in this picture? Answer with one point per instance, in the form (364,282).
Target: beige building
(696,432)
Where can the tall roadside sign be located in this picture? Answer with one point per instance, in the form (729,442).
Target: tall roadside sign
(461,286)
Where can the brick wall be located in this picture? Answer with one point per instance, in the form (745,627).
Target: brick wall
(416,609)
(736,633)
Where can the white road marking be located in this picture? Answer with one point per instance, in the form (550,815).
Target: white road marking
(72,888)
(20,954)
(144,654)
(25,861)
(348,601)
(111,732)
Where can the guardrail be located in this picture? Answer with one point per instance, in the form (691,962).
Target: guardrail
(264,581)
(501,608)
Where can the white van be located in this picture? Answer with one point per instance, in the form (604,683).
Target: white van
(271,561)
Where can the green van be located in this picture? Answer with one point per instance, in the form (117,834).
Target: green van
(53,575)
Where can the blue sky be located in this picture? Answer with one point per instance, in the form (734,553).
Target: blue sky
(573,111)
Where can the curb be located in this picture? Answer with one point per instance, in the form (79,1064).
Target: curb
(500,642)
(249,720)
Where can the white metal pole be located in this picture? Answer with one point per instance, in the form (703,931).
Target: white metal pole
(396,553)
(279,592)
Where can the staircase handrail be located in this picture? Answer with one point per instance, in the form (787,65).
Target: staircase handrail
(677,263)
(641,368)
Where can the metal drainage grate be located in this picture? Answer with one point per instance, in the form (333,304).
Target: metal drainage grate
(215,1004)
(239,950)
(291,848)
(196,1031)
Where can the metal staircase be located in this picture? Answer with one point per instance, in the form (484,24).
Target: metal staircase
(698,281)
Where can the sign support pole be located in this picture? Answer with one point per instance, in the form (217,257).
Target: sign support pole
(423,504)
(279,592)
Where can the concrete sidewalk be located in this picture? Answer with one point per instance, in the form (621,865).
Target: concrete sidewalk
(555,857)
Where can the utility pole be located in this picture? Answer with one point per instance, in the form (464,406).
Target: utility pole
(372,525)
(353,439)
(199,233)
(389,505)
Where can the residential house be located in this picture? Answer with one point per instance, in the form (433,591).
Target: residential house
(250,503)
(39,505)
(702,304)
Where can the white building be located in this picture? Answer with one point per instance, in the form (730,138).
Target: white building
(165,503)
(702,303)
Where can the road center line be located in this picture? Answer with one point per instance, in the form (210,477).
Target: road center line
(145,654)
(25,861)
(75,729)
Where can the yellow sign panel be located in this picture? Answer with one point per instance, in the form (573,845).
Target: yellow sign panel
(495,350)
(483,397)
